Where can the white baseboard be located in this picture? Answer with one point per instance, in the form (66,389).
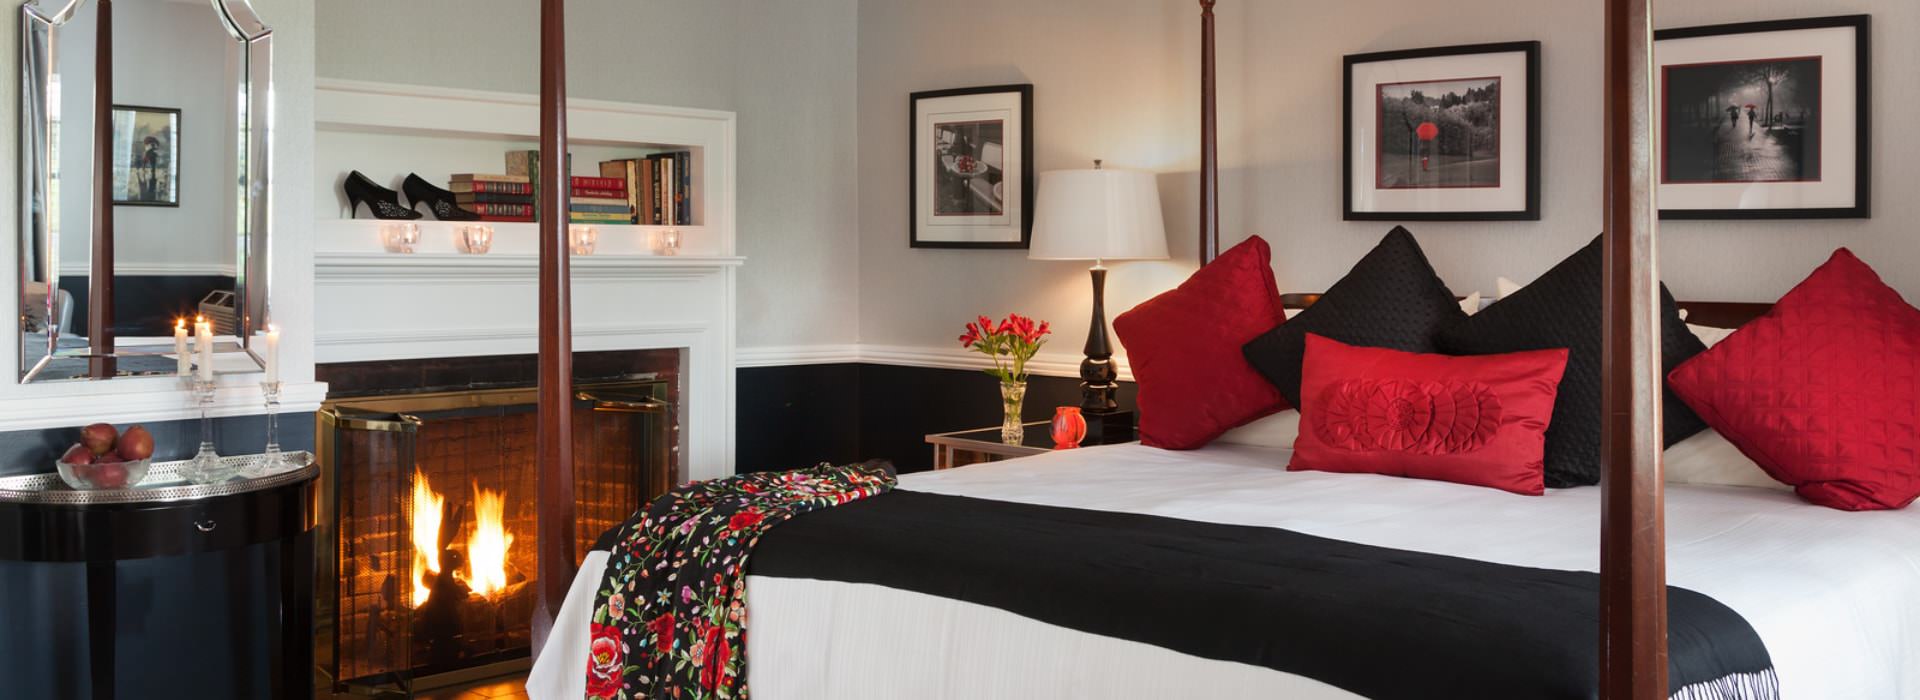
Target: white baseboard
(1046,364)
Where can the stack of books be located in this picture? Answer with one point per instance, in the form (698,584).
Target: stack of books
(494,197)
(593,200)
(659,187)
(599,200)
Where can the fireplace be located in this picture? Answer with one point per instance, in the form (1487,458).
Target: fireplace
(429,516)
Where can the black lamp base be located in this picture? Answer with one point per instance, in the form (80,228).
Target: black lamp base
(1108,427)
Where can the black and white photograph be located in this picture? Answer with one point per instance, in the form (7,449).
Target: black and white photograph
(1442,134)
(969,175)
(1764,120)
(970,169)
(1439,134)
(1743,121)
(146,156)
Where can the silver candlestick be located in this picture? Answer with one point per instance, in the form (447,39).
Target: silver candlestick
(206,467)
(275,461)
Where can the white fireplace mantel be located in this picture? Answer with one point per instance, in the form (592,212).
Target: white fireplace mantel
(371,304)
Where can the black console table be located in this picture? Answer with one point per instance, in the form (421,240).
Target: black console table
(161,591)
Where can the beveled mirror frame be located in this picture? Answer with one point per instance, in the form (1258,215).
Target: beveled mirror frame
(39,43)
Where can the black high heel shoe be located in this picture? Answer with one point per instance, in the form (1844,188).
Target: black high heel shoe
(382,202)
(439,201)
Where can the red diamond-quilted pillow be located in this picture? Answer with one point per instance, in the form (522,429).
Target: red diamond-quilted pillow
(1821,392)
(1184,348)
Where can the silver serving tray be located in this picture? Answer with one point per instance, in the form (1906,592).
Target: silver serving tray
(163,484)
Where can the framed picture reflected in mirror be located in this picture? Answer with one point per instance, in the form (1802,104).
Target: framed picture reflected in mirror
(146,156)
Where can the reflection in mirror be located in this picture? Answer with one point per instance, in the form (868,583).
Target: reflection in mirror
(187,180)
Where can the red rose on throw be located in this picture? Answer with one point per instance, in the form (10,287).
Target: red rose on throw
(662,629)
(713,665)
(606,657)
(744,520)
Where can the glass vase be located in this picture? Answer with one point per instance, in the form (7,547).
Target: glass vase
(1013,395)
(1069,427)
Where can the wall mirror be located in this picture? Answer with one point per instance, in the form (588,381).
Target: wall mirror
(187,193)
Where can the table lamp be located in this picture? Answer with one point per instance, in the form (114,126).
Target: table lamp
(1104,216)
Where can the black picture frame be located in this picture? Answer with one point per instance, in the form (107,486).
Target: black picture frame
(1531,180)
(1026,186)
(170,196)
(1863,122)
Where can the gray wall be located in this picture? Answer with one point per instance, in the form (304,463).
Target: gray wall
(1118,79)
(785,66)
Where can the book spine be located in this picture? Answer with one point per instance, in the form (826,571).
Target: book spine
(685,201)
(492,198)
(491,209)
(612,219)
(484,177)
(624,171)
(646,211)
(491,187)
(599,193)
(597,183)
(620,209)
(507,219)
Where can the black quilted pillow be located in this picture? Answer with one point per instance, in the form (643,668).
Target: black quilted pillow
(1562,310)
(1391,299)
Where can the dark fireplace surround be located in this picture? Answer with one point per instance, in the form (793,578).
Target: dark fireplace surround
(427,512)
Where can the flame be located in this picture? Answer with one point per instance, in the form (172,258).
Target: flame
(487,548)
(427,509)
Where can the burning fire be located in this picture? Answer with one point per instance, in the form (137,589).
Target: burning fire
(427,509)
(487,546)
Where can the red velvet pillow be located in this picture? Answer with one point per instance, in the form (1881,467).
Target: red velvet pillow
(1184,348)
(1822,391)
(1479,420)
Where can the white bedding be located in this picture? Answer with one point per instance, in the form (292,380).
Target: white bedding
(1835,595)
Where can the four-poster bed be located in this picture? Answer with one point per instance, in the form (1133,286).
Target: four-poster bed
(1004,579)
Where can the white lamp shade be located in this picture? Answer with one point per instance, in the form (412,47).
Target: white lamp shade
(1098,215)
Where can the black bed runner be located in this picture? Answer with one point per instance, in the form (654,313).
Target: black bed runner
(1379,622)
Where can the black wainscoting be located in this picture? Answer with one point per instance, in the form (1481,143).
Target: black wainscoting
(147,304)
(800,415)
(34,451)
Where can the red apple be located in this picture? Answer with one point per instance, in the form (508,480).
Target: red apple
(78,455)
(99,437)
(135,444)
(112,475)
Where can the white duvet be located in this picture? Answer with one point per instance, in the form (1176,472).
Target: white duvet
(1835,595)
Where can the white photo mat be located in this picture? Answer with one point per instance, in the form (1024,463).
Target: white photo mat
(1007,226)
(1510,196)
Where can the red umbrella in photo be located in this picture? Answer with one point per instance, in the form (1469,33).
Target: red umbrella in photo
(1427,131)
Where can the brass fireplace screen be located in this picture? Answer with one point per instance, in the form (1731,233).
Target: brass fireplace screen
(428,513)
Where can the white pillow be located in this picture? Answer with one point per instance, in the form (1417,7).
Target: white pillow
(1710,335)
(1708,458)
(1471,304)
(1277,430)
(1505,287)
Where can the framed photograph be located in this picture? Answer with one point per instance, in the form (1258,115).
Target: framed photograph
(971,175)
(146,156)
(1443,134)
(1766,120)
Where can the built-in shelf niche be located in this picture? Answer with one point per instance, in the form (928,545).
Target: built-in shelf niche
(387,131)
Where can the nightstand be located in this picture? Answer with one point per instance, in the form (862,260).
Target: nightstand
(959,449)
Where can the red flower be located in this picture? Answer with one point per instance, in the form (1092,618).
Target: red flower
(662,629)
(606,657)
(712,667)
(744,520)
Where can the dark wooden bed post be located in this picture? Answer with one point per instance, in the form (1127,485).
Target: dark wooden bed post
(554,439)
(1633,601)
(1209,142)
(100,287)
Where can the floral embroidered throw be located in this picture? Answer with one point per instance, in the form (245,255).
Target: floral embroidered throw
(669,620)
